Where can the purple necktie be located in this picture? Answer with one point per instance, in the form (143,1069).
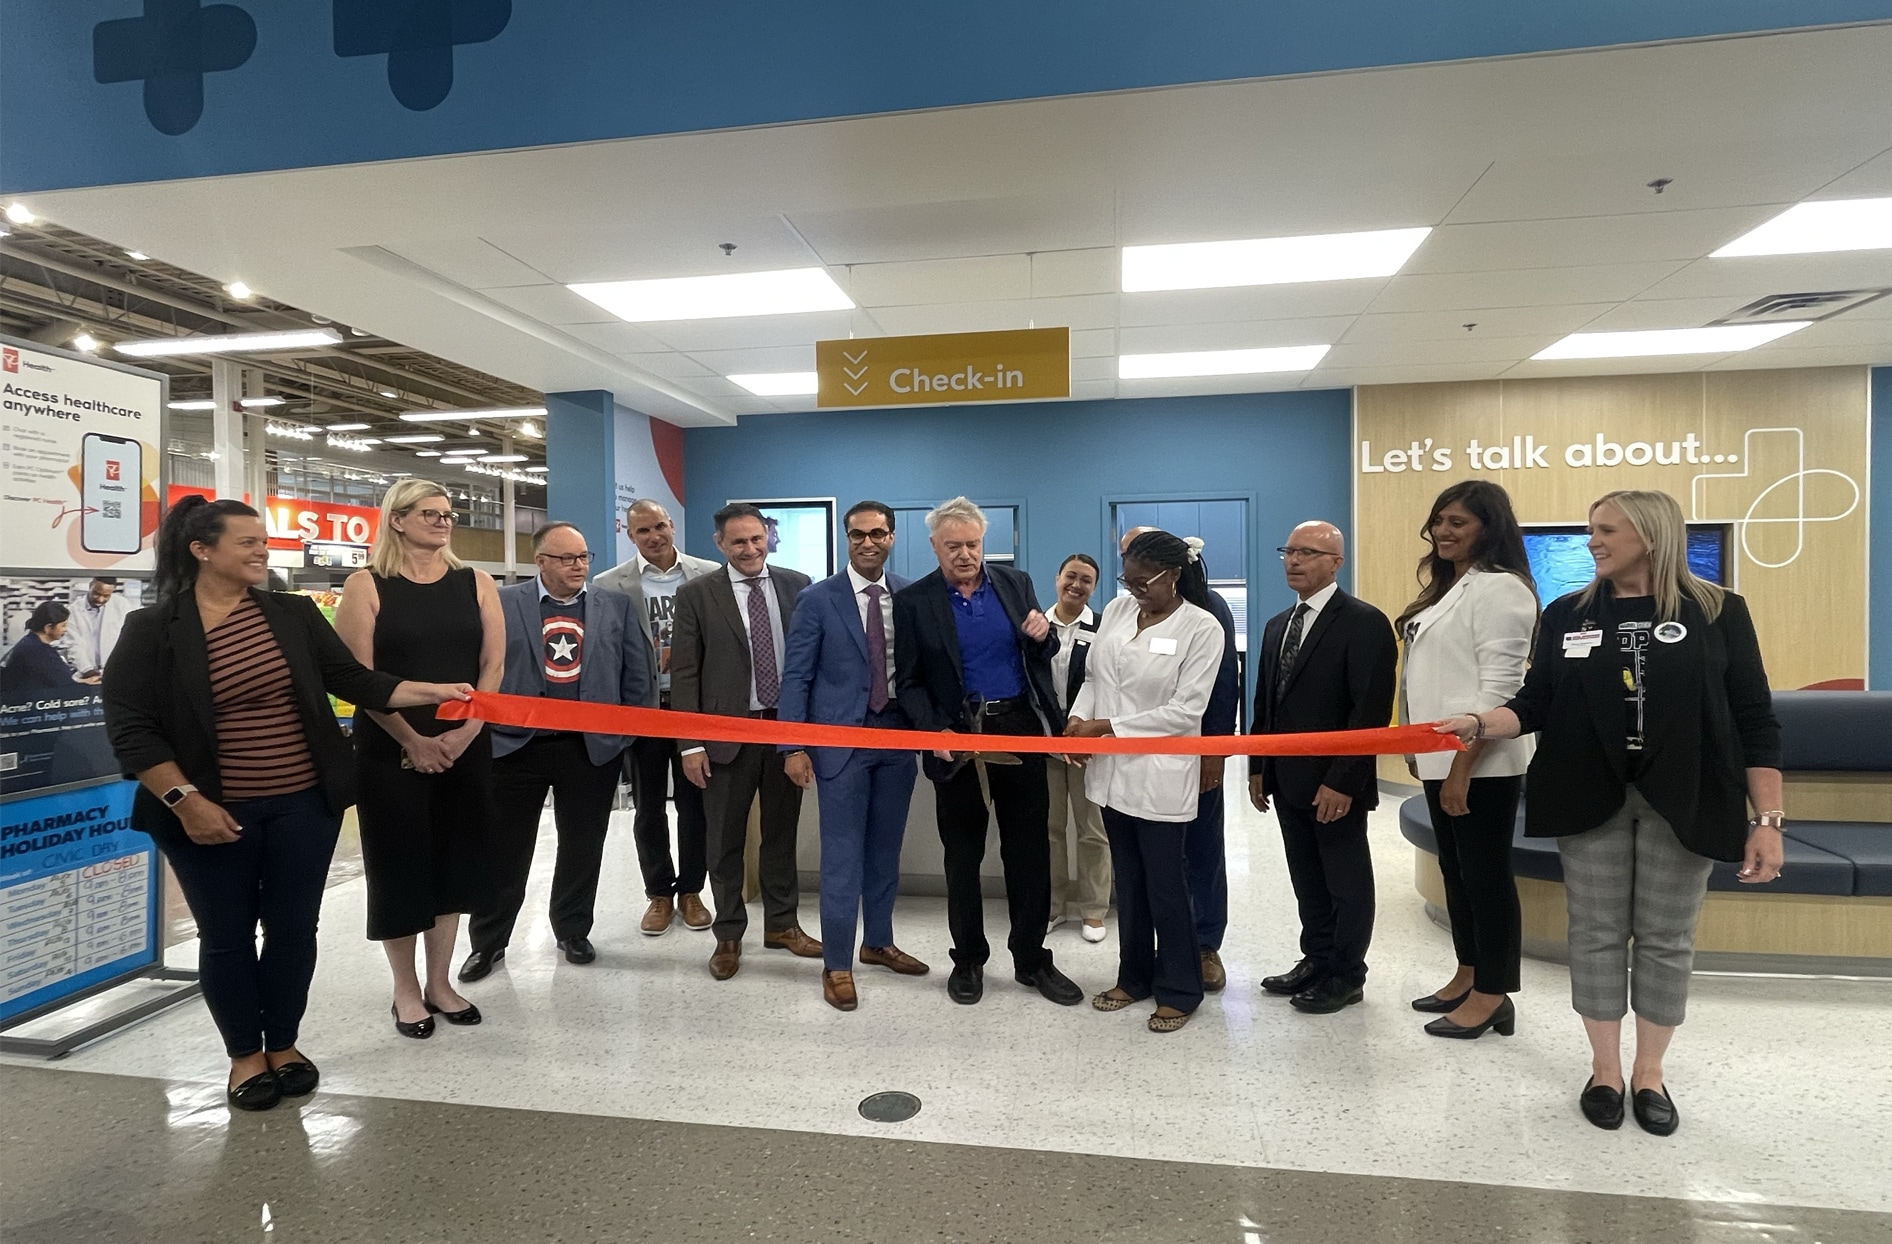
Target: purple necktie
(876,649)
(768,679)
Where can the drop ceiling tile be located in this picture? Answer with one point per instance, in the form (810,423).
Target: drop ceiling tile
(1472,349)
(551,304)
(1098,311)
(1584,241)
(1533,287)
(605,246)
(1093,342)
(1249,303)
(1093,369)
(1652,313)
(748,332)
(1182,386)
(1783,355)
(472,262)
(1492,321)
(1059,274)
(987,278)
(1531,370)
(952,228)
(668,364)
(1093,390)
(1877,309)
(616,337)
(1167,338)
(1841,330)
(1326,377)
(713,386)
(1198,185)
(761,361)
(1873,179)
(1748,278)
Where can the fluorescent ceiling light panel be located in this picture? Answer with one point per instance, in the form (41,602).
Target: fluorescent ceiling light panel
(426,453)
(468,453)
(461,416)
(347,427)
(193,404)
(258,403)
(788,292)
(1269,261)
(781,383)
(538,468)
(1831,225)
(235,343)
(414,438)
(505,458)
(1719,339)
(1219,362)
(140,256)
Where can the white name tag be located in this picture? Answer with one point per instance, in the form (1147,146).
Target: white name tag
(1579,644)
(1162,647)
(1082,639)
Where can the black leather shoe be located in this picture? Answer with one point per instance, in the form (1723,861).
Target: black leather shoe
(1602,1105)
(298,1079)
(966,985)
(464,1019)
(1326,997)
(1433,1004)
(1302,976)
(420,1030)
(1504,1019)
(259,1092)
(578,949)
(1655,1112)
(1053,984)
(480,964)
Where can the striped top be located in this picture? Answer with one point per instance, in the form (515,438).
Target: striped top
(261,748)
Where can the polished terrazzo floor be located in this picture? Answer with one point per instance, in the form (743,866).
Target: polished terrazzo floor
(1254,1124)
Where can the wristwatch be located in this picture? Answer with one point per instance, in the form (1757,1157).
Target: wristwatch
(177,794)
(1770,820)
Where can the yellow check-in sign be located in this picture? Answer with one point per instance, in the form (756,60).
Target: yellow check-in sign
(1014,365)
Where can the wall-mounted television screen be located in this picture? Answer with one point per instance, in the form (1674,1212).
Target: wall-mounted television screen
(801,534)
(1561,563)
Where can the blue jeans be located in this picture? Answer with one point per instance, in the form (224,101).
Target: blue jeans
(274,876)
(863,822)
(1205,862)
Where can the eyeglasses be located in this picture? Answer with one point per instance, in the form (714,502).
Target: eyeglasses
(437,518)
(856,536)
(1294,554)
(568,560)
(1143,585)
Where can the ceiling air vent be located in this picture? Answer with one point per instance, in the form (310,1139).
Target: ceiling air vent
(1823,305)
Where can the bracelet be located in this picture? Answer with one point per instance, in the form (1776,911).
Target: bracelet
(1480,733)
(1770,820)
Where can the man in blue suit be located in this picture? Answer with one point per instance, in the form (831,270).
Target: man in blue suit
(838,670)
(563,641)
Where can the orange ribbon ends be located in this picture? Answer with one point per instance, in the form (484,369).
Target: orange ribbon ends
(537,713)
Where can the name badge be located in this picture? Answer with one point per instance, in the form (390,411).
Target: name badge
(1579,644)
(1671,632)
(1082,639)
(1162,647)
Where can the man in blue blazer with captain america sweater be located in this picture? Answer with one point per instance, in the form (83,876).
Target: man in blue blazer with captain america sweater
(837,669)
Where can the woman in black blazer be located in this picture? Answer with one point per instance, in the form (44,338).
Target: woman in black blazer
(216,701)
(1656,731)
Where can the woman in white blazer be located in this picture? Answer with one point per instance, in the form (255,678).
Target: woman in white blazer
(1150,673)
(1467,636)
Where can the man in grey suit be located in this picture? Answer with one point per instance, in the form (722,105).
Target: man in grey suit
(726,658)
(563,641)
(651,579)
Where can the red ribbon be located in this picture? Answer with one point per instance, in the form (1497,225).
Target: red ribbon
(542,713)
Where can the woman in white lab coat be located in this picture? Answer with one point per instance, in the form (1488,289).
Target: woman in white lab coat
(1151,669)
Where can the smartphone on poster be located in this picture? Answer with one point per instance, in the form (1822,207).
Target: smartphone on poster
(111,483)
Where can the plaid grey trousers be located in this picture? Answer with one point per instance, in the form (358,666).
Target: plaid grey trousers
(1631,881)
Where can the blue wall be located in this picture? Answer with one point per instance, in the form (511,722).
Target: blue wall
(581,462)
(1879,550)
(1061,463)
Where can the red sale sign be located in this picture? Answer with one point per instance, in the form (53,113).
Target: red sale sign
(293,522)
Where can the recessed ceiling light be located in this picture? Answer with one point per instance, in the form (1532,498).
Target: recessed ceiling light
(787,292)
(233,343)
(258,403)
(414,438)
(1720,339)
(347,427)
(239,291)
(140,256)
(19,214)
(193,404)
(1219,362)
(781,383)
(463,416)
(85,342)
(1269,261)
(505,458)
(1829,225)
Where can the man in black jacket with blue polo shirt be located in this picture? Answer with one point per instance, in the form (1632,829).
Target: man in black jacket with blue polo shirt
(972,653)
(563,641)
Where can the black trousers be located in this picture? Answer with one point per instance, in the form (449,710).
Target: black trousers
(1022,801)
(733,787)
(582,793)
(1481,895)
(273,875)
(1332,871)
(1156,933)
(655,768)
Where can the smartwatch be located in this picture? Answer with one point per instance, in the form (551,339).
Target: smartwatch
(177,795)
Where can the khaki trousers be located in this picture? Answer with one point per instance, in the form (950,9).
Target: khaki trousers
(1068,805)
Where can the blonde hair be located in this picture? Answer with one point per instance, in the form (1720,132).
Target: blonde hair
(386,554)
(958,510)
(1657,518)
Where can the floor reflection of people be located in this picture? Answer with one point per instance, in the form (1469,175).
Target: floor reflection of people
(33,665)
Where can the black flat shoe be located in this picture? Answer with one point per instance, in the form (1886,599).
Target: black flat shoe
(1655,1112)
(1602,1105)
(1433,1004)
(966,985)
(480,964)
(1504,1019)
(1053,984)
(464,1019)
(259,1092)
(1297,979)
(298,1079)
(420,1030)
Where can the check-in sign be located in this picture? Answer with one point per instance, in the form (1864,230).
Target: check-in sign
(1009,366)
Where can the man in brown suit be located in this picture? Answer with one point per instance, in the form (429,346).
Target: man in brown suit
(726,658)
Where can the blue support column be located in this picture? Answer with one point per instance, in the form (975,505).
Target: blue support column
(1879,536)
(581,457)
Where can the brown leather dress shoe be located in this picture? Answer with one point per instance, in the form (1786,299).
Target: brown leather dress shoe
(695,915)
(1213,977)
(725,960)
(837,989)
(794,941)
(656,921)
(895,958)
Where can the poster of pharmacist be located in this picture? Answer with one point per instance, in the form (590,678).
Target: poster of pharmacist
(55,634)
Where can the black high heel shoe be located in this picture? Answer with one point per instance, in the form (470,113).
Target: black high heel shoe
(1433,1004)
(259,1092)
(419,1031)
(464,1018)
(1504,1019)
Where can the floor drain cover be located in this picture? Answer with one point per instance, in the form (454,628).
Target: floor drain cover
(890,1107)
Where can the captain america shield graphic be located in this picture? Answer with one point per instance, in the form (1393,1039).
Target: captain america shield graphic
(564,649)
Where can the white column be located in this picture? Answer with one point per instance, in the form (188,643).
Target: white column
(508,510)
(256,461)
(226,429)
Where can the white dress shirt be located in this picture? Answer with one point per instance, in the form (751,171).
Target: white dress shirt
(1070,634)
(1153,685)
(738,580)
(1315,603)
(861,584)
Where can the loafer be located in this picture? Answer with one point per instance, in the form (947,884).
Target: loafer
(1602,1105)
(895,958)
(578,949)
(837,990)
(725,959)
(1655,1112)
(966,985)
(298,1079)
(480,964)
(657,917)
(1433,1004)
(794,941)
(1300,977)
(1053,984)
(259,1092)
(1214,976)
(419,1030)
(464,1018)
(1327,997)
(695,915)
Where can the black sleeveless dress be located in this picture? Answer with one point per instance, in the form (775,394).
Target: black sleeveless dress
(425,837)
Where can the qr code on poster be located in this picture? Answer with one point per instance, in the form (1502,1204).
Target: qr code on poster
(112,509)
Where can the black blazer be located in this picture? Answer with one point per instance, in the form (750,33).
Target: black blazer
(157,697)
(1344,678)
(1074,676)
(928,677)
(1708,718)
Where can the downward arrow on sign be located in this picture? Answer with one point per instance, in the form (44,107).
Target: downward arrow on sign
(855,389)
(855,373)
(855,358)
